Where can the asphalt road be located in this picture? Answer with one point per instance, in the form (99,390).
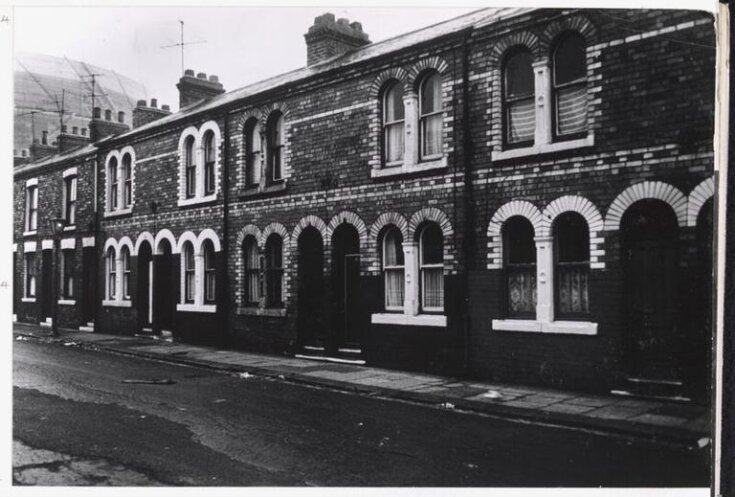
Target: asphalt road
(76,422)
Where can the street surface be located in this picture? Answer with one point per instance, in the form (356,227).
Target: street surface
(76,421)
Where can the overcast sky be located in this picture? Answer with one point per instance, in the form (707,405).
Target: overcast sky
(243,45)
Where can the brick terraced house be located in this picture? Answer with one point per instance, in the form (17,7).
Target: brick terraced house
(522,195)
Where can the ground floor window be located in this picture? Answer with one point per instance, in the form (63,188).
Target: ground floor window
(520,267)
(30,275)
(393,269)
(210,273)
(274,271)
(67,274)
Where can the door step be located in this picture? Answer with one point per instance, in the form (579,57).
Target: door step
(626,393)
(87,327)
(324,358)
(48,323)
(653,388)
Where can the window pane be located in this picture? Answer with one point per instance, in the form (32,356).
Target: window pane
(433,287)
(521,121)
(393,248)
(209,147)
(521,290)
(571,109)
(570,60)
(572,238)
(573,283)
(254,138)
(519,76)
(189,151)
(394,287)
(518,236)
(432,245)
(431,94)
(393,110)
(394,142)
(431,133)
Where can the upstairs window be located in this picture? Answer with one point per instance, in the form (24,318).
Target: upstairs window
(274,271)
(570,86)
(189,272)
(210,273)
(518,99)
(252,153)
(66,272)
(520,267)
(127,179)
(32,208)
(252,270)
(209,160)
(393,124)
(431,267)
(275,146)
(430,120)
(190,168)
(70,200)
(393,269)
(125,260)
(114,186)
(572,265)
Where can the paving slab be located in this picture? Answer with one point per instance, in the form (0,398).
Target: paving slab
(615,412)
(592,401)
(659,420)
(567,408)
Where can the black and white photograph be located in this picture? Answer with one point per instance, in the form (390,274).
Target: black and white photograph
(363,246)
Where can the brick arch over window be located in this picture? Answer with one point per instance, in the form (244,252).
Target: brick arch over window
(701,193)
(143,237)
(585,208)
(127,242)
(374,249)
(164,234)
(277,228)
(578,24)
(521,208)
(208,234)
(246,116)
(250,229)
(429,214)
(305,222)
(349,218)
(394,73)
(415,73)
(110,242)
(640,191)
(521,38)
(267,110)
(186,236)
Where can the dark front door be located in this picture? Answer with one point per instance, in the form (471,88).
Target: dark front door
(650,233)
(312,327)
(88,283)
(47,284)
(144,291)
(163,288)
(345,284)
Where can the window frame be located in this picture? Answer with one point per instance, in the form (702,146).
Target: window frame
(125,264)
(32,208)
(397,268)
(30,289)
(66,274)
(585,265)
(70,199)
(253,157)
(189,273)
(386,125)
(275,143)
(251,253)
(126,165)
(274,273)
(111,273)
(112,173)
(507,102)
(531,267)
(209,269)
(423,267)
(424,117)
(209,152)
(555,88)
(190,167)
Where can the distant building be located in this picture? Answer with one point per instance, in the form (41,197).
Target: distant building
(42,82)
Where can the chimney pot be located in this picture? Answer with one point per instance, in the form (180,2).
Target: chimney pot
(356,26)
(97,113)
(202,75)
(166,107)
(343,21)
(141,103)
(63,127)
(189,72)
(108,115)
(154,103)
(213,78)
(121,117)
(326,38)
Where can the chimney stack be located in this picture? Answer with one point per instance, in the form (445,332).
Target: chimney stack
(328,38)
(100,128)
(143,114)
(192,89)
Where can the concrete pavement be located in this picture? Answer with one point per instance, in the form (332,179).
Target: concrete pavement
(650,419)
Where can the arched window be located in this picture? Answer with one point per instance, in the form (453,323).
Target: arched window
(393,123)
(111,264)
(112,174)
(252,270)
(393,269)
(125,257)
(189,272)
(274,271)
(518,99)
(127,178)
(520,267)
(210,273)
(570,86)
(252,153)
(190,167)
(572,265)
(431,267)
(275,146)
(430,112)
(209,159)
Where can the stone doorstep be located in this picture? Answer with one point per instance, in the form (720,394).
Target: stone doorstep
(659,420)
(615,412)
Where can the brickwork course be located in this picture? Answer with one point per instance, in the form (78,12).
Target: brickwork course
(644,150)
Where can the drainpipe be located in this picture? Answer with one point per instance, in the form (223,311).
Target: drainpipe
(96,234)
(469,201)
(226,301)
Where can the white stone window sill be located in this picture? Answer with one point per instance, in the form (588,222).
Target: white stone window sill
(559,327)
(183,202)
(119,212)
(210,308)
(66,302)
(544,148)
(435,320)
(117,303)
(28,299)
(71,227)
(277,312)
(30,233)
(395,170)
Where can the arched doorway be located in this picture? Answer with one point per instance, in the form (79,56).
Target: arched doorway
(144,290)
(311,317)
(346,289)
(164,286)
(650,234)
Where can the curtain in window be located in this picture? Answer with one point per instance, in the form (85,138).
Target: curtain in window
(570,85)
(274,271)
(210,273)
(393,269)
(252,160)
(209,153)
(571,237)
(519,98)
(393,122)
(431,259)
(67,274)
(520,267)
(30,276)
(190,167)
(32,193)
(275,143)
(71,200)
(113,183)
(127,181)
(125,255)
(252,270)
(431,116)
(188,272)
(111,274)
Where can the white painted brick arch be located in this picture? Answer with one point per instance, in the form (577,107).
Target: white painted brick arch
(513,208)
(646,190)
(701,193)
